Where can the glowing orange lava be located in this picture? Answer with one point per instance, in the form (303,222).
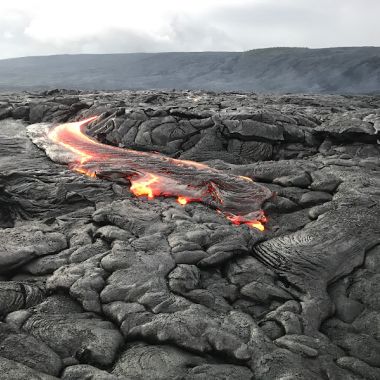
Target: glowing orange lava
(258,224)
(144,186)
(151,175)
(59,136)
(182,200)
(88,173)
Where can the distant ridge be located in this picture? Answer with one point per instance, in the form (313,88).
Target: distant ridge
(350,70)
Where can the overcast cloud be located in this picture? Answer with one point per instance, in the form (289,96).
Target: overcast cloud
(41,27)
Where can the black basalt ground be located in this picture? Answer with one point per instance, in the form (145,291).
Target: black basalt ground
(98,284)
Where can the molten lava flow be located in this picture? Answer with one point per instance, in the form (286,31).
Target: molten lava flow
(145,186)
(258,224)
(152,175)
(182,200)
(66,135)
(85,172)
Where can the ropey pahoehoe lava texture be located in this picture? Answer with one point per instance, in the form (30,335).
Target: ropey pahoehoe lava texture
(152,174)
(96,282)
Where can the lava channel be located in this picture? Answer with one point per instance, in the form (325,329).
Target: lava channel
(152,175)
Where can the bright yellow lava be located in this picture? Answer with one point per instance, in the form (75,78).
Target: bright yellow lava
(182,200)
(143,186)
(258,225)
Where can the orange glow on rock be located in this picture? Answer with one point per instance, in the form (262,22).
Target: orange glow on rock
(256,224)
(246,178)
(144,186)
(182,200)
(88,173)
(259,224)
(151,175)
(64,133)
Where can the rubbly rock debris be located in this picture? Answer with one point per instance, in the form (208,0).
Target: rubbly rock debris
(101,281)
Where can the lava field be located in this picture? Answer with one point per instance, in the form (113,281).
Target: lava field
(166,235)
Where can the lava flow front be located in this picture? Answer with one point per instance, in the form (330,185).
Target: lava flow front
(152,175)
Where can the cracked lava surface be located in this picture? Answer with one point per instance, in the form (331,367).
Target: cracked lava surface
(153,175)
(97,283)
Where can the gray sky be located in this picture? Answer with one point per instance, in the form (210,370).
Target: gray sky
(41,27)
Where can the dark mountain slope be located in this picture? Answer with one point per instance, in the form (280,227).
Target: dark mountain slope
(332,70)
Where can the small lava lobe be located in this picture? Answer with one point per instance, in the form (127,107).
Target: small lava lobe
(152,175)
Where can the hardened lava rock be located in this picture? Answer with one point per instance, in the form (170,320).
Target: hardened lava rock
(99,282)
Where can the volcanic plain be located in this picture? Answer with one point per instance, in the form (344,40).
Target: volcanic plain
(98,281)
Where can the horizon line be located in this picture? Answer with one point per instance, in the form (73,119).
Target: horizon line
(194,51)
